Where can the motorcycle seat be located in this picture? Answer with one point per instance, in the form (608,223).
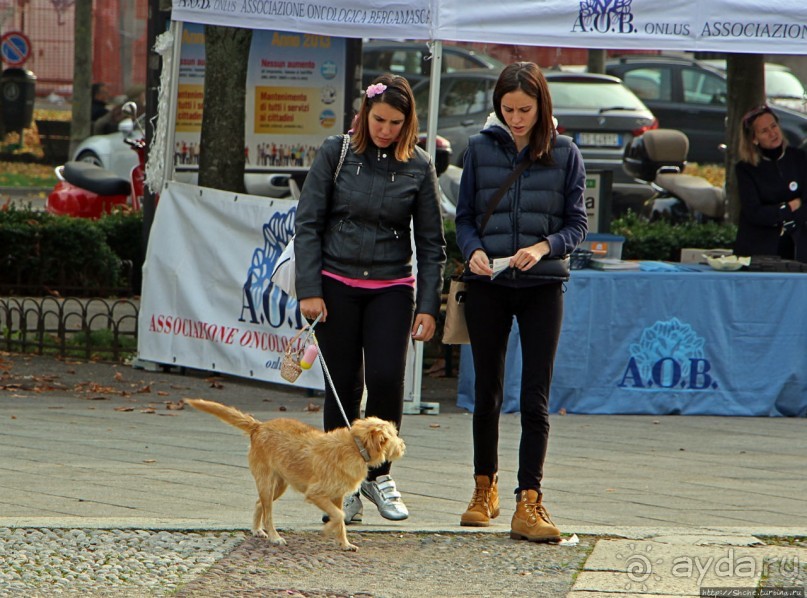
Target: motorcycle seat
(96,179)
(698,193)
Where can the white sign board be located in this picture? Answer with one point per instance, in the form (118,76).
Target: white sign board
(207,300)
(295,97)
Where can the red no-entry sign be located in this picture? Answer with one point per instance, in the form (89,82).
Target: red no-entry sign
(15,48)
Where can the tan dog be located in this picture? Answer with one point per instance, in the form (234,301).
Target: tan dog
(324,466)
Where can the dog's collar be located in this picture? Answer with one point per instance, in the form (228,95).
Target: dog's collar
(365,455)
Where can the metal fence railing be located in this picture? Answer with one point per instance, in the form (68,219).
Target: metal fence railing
(94,328)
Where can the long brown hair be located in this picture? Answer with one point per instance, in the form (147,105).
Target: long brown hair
(527,77)
(398,95)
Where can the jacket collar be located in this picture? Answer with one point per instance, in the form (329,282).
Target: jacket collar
(494,126)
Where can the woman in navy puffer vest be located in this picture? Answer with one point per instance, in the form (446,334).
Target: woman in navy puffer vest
(540,217)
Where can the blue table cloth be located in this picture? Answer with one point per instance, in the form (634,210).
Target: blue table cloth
(693,343)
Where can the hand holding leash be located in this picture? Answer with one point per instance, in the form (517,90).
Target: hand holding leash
(314,307)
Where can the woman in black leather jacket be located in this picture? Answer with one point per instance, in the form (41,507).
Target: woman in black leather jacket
(353,250)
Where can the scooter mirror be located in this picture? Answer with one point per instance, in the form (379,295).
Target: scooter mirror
(129,109)
(126,126)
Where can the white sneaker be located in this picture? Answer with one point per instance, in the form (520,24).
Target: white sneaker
(353,509)
(384,495)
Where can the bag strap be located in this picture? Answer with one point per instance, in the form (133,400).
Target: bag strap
(345,145)
(503,189)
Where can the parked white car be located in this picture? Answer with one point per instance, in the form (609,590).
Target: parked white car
(112,153)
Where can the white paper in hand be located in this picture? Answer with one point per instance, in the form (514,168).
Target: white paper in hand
(499,265)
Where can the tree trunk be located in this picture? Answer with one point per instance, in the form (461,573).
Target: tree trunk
(746,89)
(221,160)
(82,73)
(596,61)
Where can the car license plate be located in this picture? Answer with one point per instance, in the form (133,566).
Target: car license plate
(599,139)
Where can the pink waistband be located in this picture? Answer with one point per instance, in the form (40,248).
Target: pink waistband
(370,284)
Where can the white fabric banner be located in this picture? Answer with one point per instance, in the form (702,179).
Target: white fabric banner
(340,18)
(684,25)
(207,300)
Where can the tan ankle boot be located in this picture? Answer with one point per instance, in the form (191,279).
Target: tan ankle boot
(531,520)
(484,504)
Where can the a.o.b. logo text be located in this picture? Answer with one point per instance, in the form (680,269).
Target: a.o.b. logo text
(669,355)
(604,16)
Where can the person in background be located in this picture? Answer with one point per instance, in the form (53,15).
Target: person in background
(353,250)
(137,94)
(772,184)
(109,122)
(541,216)
(100,98)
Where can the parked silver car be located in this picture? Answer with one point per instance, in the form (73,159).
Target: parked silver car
(412,59)
(597,111)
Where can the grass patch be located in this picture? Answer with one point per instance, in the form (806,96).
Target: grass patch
(20,174)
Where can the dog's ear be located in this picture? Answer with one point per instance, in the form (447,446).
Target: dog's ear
(378,436)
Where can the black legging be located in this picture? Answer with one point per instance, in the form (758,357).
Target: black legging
(489,310)
(365,341)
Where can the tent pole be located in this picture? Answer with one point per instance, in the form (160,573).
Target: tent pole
(416,405)
(176,29)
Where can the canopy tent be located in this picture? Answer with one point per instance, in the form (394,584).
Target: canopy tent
(686,25)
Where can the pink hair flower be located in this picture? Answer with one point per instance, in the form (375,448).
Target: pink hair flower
(374,90)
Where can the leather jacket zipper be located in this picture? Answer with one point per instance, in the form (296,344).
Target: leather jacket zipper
(394,174)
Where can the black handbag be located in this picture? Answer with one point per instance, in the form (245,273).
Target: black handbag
(552,268)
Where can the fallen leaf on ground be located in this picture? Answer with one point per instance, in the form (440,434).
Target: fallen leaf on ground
(149,460)
(162,393)
(313,407)
(434,426)
(172,406)
(118,376)
(144,390)
(148,410)
(98,389)
(282,408)
(124,408)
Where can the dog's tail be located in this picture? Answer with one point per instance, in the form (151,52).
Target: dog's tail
(231,415)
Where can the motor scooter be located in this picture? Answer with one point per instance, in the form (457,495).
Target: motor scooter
(85,190)
(658,157)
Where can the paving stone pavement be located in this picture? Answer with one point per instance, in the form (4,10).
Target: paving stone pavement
(661,505)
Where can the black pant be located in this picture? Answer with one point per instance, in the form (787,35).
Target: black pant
(365,341)
(489,310)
